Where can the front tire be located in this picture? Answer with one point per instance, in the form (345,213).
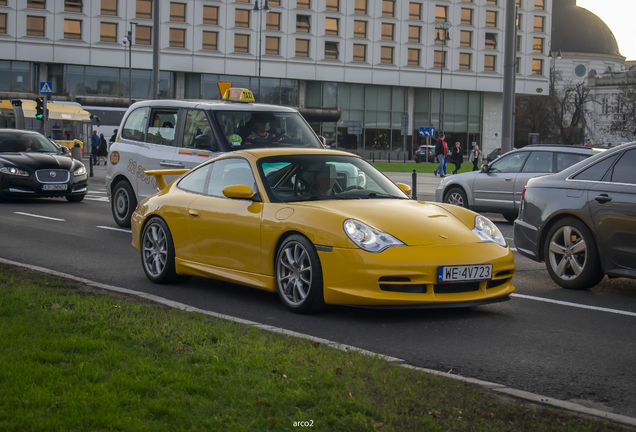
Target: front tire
(456,196)
(299,275)
(571,256)
(157,253)
(123,203)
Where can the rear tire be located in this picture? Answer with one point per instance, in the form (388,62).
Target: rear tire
(456,196)
(157,253)
(123,203)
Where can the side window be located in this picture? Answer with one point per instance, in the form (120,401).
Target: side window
(597,171)
(539,162)
(161,127)
(134,126)
(509,164)
(566,160)
(198,132)
(195,181)
(227,172)
(623,171)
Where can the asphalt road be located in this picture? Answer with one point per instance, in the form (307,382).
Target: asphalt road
(566,351)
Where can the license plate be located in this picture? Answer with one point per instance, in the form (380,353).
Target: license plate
(54,187)
(468,273)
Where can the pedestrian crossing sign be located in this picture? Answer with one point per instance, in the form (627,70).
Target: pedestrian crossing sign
(46,87)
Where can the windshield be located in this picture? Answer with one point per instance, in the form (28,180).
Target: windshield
(250,129)
(328,177)
(27,142)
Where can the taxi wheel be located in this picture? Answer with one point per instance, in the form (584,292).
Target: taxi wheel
(157,253)
(123,203)
(457,197)
(299,275)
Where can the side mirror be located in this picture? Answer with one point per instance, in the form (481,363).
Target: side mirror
(204,142)
(241,192)
(404,188)
(65,150)
(484,169)
(323,140)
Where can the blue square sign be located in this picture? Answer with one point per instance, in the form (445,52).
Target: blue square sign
(46,87)
(427,131)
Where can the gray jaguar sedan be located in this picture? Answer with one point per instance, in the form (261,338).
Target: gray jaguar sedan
(582,221)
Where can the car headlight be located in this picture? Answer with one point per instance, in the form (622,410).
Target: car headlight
(14,171)
(488,231)
(80,171)
(367,238)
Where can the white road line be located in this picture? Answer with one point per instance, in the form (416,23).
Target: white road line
(115,229)
(575,305)
(513,249)
(39,216)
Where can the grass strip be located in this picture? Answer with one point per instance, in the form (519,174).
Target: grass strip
(421,168)
(73,358)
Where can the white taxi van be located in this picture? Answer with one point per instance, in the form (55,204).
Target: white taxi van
(176,134)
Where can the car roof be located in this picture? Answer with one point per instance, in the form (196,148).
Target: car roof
(287,151)
(561,147)
(219,105)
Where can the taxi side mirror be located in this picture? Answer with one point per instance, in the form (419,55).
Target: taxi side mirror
(404,188)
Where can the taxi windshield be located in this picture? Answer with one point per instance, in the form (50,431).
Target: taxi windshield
(251,129)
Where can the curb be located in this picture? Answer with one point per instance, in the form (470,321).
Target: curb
(519,394)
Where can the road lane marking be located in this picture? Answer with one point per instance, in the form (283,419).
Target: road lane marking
(513,249)
(40,216)
(576,305)
(115,229)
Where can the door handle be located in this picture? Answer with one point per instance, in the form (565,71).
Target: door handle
(171,164)
(508,179)
(193,213)
(603,198)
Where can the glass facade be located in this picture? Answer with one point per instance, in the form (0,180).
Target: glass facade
(17,76)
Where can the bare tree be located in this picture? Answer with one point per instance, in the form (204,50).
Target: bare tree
(624,110)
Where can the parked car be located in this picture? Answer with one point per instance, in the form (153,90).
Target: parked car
(32,166)
(420,154)
(497,186)
(582,221)
(493,155)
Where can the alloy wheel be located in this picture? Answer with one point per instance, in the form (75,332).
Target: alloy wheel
(154,250)
(294,273)
(568,253)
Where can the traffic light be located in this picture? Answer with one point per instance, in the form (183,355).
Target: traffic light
(39,109)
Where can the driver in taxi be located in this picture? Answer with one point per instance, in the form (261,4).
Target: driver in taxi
(260,129)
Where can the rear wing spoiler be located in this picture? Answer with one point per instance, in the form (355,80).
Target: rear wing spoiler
(161,182)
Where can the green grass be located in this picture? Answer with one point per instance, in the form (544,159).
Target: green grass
(421,167)
(76,359)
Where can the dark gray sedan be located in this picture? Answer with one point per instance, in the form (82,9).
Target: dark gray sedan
(582,221)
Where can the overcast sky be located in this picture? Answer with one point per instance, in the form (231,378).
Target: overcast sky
(619,15)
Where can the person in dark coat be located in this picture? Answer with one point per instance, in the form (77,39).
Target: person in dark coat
(113,137)
(441,150)
(102,152)
(457,157)
(95,143)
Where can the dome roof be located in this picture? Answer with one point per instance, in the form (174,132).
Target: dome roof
(575,29)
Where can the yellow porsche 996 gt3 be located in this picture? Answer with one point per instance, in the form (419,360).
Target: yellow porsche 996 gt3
(319,227)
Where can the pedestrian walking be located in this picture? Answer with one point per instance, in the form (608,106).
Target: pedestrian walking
(457,157)
(95,143)
(103,149)
(441,150)
(476,158)
(112,138)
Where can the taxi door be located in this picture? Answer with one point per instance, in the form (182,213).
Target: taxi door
(197,143)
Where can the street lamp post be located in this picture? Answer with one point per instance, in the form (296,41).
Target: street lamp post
(442,27)
(259,7)
(128,40)
(552,58)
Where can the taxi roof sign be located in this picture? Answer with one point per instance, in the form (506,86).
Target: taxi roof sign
(238,95)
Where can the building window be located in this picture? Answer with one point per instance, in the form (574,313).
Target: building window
(415,11)
(241,43)
(491,41)
(211,15)
(467,17)
(331,50)
(177,12)
(273,21)
(108,32)
(539,4)
(143,35)
(272,45)
(539,23)
(490,62)
(361,7)
(537,45)
(72,29)
(518,43)
(177,38)
(387,31)
(440,37)
(518,65)
(537,67)
(414,57)
(414,34)
(210,40)
(333,5)
(441,13)
(70,5)
(3,23)
(388,8)
(359,53)
(360,29)
(302,48)
(144,9)
(440,59)
(274,2)
(331,26)
(466,38)
(518,21)
(303,4)
(465,60)
(491,19)
(467,1)
(241,18)
(35,26)
(36,4)
(243,1)
(519,3)
(386,55)
(302,23)
(491,2)
(109,7)
(605,105)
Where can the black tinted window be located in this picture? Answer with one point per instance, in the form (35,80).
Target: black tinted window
(566,160)
(597,171)
(624,171)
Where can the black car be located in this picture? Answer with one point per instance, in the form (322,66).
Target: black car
(493,155)
(31,166)
(420,154)
(582,221)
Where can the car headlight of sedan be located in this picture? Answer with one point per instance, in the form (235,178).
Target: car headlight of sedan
(80,171)
(14,171)
(367,238)
(488,231)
